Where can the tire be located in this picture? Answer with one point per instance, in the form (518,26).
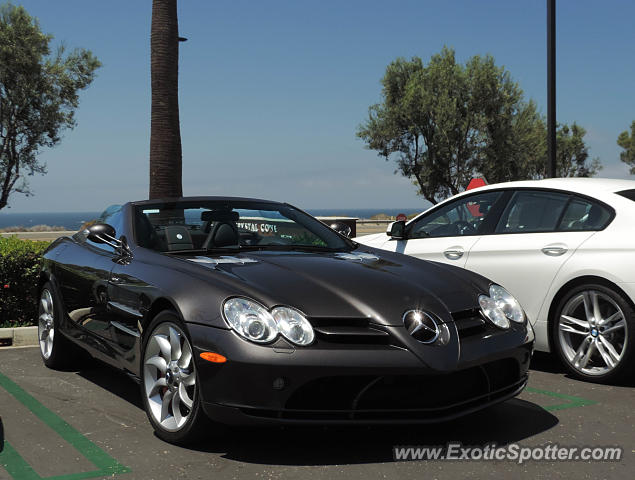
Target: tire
(600,351)
(56,350)
(166,385)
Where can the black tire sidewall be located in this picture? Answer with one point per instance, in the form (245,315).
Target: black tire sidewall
(197,419)
(627,363)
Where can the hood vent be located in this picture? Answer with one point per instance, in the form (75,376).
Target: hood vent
(357,257)
(212,262)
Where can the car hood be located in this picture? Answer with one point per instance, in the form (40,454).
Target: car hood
(364,283)
(373,240)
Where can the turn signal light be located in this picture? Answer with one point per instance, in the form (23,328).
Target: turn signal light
(213,357)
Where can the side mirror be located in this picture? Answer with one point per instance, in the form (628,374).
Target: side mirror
(397,230)
(341,228)
(102,233)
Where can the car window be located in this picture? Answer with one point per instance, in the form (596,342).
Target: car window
(113,216)
(582,214)
(464,216)
(630,194)
(532,211)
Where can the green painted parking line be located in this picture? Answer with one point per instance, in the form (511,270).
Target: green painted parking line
(571,401)
(15,464)
(19,469)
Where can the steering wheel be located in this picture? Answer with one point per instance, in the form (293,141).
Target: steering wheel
(208,239)
(464,227)
(249,237)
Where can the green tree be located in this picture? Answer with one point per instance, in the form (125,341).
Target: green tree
(627,142)
(39,93)
(445,122)
(523,155)
(165,134)
(515,146)
(572,154)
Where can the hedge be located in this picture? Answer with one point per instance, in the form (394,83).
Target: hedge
(19,273)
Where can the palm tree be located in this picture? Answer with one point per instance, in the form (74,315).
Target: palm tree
(165,135)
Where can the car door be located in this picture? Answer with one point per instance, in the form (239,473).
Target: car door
(536,234)
(445,234)
(84,287)
(85,284)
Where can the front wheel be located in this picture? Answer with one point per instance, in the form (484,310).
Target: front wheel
(169,382)
(594,334)
(56,350)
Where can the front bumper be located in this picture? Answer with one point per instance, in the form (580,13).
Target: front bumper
(339,384)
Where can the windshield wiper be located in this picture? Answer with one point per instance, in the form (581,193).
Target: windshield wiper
(204,251)
(315,248)
(292,247)
(251,248)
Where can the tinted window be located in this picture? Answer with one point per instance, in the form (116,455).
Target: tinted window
(461,217)
(630,194)
(113,216)
(582,214)
(532,211)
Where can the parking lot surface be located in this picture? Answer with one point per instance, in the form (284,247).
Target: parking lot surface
(90,424)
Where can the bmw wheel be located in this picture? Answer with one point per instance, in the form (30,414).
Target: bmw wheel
(594,334)
(56,350)
(169,381)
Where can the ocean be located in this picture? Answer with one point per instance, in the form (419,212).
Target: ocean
(73,220)
(68,220)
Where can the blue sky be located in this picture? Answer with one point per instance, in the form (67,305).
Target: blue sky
(271,92)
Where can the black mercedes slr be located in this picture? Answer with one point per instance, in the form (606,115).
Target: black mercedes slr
(243,311)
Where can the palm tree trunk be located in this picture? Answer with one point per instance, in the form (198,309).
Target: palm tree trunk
(165,134)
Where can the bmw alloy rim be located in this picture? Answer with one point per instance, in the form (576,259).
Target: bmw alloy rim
(169,376)
(592,332)
(45,325)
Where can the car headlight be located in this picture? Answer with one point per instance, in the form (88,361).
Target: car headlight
(492,312)
(293,326)
(500,307)
(507,303)
(254,322)
(250,320)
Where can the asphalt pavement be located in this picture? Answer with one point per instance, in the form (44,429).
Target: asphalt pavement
(90,423)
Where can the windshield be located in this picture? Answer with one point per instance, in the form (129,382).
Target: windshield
(230,225)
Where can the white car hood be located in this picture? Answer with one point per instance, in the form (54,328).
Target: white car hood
(374,240)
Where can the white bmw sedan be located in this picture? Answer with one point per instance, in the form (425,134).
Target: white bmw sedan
(565,248)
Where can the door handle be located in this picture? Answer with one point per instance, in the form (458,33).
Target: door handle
(554,250)
(454,253)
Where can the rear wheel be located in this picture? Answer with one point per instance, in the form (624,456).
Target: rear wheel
(594,334)
(169,382)
(56,350)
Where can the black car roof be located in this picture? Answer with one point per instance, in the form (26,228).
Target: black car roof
(201,199)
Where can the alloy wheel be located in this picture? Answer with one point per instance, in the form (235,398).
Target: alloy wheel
(46,325)
(592,332)
(169,376)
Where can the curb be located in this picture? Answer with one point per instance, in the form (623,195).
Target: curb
(18,337)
